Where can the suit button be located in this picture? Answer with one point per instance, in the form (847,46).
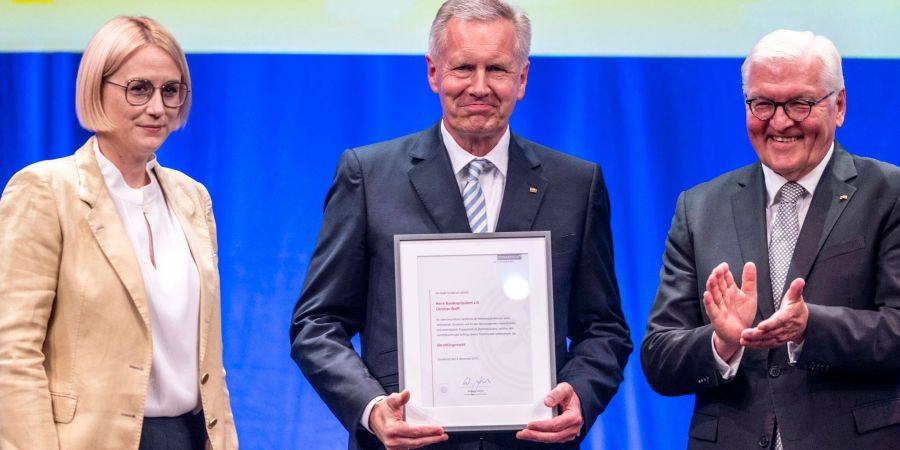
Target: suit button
(763,442)
(212,423)
(204,378)
(774,371)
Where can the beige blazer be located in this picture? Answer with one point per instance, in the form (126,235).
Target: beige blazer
(75,348)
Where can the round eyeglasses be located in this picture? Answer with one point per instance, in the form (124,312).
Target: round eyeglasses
(797,109)
(138,92)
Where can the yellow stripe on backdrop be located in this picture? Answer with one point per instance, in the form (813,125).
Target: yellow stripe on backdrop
(866,28)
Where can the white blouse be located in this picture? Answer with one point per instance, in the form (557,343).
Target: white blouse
(173,289)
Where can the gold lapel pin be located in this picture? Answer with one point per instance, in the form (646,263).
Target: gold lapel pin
(843,197)
(532,190)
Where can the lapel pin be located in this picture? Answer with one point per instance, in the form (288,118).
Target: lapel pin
(843,197)
(532,190)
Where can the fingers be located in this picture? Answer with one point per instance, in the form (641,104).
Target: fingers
(394,433)
(399,434)
(772,332)
(729,278)
(402,441)
(722,279)
(562,428)
(711,305)
(716,284)
(772,324)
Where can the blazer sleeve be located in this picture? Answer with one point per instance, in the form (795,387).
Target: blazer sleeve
(30,246)
(676,353)
(600,339)
(856,339)
(332,305)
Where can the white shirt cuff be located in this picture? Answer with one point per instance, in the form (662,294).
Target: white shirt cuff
(364,420)
(727,370)
(794,349)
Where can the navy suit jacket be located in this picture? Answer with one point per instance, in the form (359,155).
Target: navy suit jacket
(844,391)
(407,186)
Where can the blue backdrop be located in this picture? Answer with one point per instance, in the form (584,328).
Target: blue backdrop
(265,133)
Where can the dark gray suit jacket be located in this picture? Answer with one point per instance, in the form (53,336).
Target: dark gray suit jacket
(407,186)
(844,391)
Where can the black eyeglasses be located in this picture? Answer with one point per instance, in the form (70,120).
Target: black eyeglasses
(797,109)
(138,92)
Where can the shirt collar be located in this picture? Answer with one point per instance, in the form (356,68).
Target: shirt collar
(116,182)
(459,158)
(774,182)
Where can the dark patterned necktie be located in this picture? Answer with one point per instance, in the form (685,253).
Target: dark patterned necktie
(785,230)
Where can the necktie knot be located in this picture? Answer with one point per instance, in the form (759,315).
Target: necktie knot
(477,167)
(791,192)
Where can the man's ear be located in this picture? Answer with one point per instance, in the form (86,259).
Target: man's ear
(432,73)
(841,106)
(523,80)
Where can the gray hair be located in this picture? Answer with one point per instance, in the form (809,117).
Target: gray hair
(480,11)
(794,46)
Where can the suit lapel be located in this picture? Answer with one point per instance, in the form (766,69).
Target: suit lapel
(107,229)
(525,188)
(193,225)
(433,179)
(825,209)
(748,207)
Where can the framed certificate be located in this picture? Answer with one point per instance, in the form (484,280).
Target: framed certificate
(475,328)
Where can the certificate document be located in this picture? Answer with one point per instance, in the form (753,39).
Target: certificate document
(475,328)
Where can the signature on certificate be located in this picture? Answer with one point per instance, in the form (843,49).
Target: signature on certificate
(474,384)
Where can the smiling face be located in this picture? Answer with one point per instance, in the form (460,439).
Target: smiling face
(793,148)
(138,131)
(478,79)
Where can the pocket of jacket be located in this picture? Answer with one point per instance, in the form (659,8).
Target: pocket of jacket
(63,407)
(704,427)
(841,248)
(872,416)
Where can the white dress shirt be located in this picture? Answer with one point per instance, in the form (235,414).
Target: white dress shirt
(172,285)
(774,182)
(492,181)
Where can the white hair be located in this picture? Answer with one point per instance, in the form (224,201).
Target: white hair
(795,46)
(480,11)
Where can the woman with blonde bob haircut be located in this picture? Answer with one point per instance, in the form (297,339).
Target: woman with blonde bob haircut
(110,334)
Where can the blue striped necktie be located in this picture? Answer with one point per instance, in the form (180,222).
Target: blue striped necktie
(473,197)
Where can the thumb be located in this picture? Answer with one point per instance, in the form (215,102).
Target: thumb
(794,293)
(559,394)
(748,280)
(396,401)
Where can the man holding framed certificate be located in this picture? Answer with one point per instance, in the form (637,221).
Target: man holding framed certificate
(467,173)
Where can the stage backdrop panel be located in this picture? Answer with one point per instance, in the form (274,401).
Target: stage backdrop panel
(650,90)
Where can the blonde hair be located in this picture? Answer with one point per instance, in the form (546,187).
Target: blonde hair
(480,11)
(113,43)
